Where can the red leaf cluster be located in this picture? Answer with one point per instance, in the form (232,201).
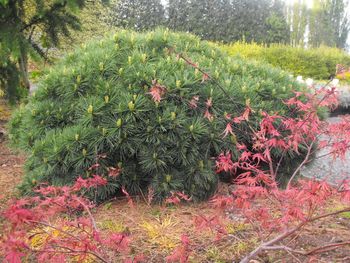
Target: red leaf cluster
(176,198)
(63,239)
(157,91)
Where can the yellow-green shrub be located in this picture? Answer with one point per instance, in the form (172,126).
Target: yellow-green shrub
(345,77)
(317,63)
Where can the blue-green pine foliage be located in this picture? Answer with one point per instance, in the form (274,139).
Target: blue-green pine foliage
(96,102)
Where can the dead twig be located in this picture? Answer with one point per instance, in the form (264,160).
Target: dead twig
(270,245)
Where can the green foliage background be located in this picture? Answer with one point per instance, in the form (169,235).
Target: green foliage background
(318,63)
(96,101)
(218,20)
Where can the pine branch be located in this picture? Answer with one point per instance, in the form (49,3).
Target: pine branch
(40,19)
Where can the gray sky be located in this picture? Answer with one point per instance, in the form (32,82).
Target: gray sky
(308,2)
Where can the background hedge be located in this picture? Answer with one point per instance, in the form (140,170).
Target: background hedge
(318,63)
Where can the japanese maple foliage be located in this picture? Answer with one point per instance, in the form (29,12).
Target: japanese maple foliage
(56,225)
(286,210)
(182,252)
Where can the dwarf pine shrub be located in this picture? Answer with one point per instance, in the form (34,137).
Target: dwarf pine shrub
(97,106)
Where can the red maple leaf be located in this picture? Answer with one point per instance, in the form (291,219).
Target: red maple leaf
(157,91)
(228,130)
(114,172)
(224,163)
(193,102)
(14,256)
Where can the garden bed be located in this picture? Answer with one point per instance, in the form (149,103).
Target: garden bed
(156,230)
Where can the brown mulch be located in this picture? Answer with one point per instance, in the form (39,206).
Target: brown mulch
(11,169)
(11,161)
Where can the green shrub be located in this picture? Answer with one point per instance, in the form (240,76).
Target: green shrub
(318,63)
(96,102)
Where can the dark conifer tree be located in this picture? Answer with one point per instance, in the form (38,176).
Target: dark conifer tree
(27,28)
(178,15)
(138,14)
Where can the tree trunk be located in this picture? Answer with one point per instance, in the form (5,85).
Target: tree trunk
(23,65)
